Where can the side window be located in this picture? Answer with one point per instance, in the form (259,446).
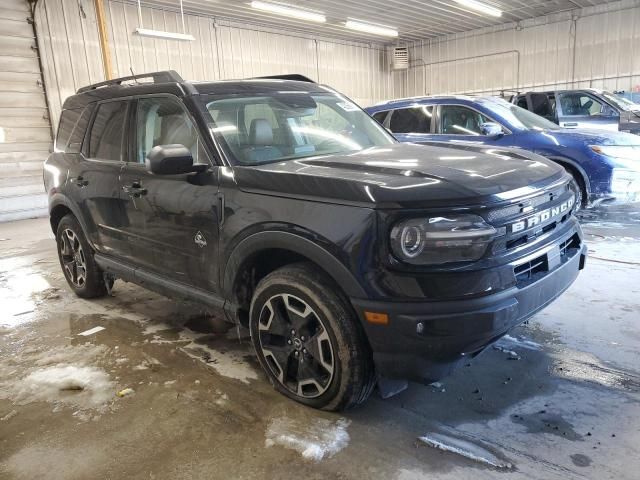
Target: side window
(164,121)
(105,142)
(75,141)
(411,120)
(580,104)
(522,103)
(68,120)
(459,120)
(379,117)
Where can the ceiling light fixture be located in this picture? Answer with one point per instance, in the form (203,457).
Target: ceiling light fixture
(368,28)
(286,10)
(146,32)
(481,7)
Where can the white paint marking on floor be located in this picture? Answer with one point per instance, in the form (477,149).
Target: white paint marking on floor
(314,439)
(91,331)
(464,448)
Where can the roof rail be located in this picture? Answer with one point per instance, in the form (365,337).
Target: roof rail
(287,76)
(165,76)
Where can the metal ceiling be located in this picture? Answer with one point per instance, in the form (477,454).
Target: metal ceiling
(414,19)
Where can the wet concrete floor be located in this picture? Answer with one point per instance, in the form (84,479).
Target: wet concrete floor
(558,398)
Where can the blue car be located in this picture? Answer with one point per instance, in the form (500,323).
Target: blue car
(605,165)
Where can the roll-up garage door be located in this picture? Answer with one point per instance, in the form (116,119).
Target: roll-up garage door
(25,133)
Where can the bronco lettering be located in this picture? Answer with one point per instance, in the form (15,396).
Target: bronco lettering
(542,216)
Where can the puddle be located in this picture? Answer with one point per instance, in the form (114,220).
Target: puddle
(546,422)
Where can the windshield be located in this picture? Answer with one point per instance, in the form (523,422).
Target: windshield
(621,102)
(518,117)
(267,128)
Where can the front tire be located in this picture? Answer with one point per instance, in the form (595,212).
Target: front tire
(308,339)
(76,259)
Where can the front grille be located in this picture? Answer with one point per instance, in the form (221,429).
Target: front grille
(526,271)
(534,269)
(535,202)
(506,219)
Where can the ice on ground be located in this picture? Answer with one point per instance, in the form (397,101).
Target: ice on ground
(230,363)
(314,440)
(153,328)
(63,376)
(80,386)
(464,448)
(508,342)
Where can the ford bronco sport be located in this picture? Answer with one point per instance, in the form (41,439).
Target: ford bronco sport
(353,260)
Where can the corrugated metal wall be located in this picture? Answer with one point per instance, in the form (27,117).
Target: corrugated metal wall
(592,47)
(25,134)
(69,39)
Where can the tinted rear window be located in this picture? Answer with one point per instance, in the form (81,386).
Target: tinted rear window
(411,120)
(105,142)
(67,123)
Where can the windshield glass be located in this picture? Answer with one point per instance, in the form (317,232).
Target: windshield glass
(267,128)
(519,117)
(621,102)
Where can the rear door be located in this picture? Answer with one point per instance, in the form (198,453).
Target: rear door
(578,109)
(93,179)
(172,227)
(412,124)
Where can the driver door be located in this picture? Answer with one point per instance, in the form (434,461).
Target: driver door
(582,110)
(458,123)
(172,227)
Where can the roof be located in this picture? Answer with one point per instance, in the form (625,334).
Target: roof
(170,82)
(409,100)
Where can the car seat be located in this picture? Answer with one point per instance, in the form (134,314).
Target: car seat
(260,148)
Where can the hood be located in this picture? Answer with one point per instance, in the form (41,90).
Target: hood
(403,175)
(566,137)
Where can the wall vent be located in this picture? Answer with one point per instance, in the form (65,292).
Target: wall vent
(399,58)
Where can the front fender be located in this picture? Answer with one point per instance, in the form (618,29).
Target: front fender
(266,240)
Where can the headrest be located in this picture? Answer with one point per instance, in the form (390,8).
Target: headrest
(260,133)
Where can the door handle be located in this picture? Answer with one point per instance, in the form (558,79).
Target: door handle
(80,181)
(135,190)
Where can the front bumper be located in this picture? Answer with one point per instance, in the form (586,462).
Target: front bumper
(425,341)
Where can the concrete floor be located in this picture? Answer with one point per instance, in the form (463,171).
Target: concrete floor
(201,408)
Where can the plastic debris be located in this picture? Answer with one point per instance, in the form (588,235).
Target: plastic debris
(91,331)
(125,392)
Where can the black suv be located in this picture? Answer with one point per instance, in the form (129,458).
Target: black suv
(353,260)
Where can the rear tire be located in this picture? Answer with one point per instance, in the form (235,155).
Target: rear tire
(309,340)
(76,259)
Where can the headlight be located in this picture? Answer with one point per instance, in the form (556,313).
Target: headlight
(626,152)
(438,240)
(625,181)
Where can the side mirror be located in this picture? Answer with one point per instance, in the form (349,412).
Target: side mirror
(491,129)
(172,160)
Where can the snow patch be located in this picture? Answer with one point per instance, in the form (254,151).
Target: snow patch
(62,375)
(80,386)
(464,448)
(314,440)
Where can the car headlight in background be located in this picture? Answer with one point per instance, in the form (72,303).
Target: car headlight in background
(626,152)
(625,180)
(444,239)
